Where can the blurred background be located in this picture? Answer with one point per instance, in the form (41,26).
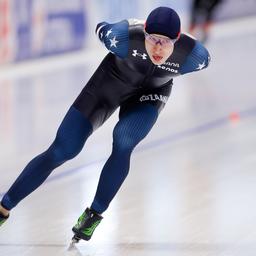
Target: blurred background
(205,138)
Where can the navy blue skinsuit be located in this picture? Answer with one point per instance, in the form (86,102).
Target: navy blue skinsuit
(126,78)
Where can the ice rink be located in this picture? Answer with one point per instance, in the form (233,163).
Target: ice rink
(191,187)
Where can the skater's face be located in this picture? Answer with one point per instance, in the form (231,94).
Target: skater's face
(159,47)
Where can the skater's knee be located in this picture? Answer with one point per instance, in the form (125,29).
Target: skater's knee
(60,152)
(124,141)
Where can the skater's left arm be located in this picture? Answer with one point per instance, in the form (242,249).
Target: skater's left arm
(115,37)
(198,59)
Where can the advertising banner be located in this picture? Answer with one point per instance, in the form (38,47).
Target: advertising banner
(47,27)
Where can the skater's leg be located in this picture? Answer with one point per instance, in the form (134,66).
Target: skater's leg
(129,131)
(70,139)
(195,10)
(210,11)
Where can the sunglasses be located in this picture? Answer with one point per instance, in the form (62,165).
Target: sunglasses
(153,39)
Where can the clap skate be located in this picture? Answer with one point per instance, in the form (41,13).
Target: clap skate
(85,226)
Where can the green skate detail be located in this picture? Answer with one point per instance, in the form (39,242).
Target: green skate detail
(89,231)
(80,220)
(86,224)
(2,222)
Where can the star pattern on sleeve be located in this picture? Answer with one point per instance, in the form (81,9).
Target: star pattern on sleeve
(108,32)
(113,42)
(201,66)
(115,37)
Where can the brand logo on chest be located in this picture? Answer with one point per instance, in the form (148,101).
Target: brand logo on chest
(142,55)
(170,67)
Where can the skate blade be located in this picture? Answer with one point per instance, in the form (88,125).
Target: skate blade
(74,241)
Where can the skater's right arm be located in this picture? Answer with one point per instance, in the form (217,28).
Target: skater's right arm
(115,37)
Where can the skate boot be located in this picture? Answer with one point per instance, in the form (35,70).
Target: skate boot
(3,219)
(86,225)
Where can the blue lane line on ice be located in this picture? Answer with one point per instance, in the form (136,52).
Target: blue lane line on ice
(165,140)
(196,130)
